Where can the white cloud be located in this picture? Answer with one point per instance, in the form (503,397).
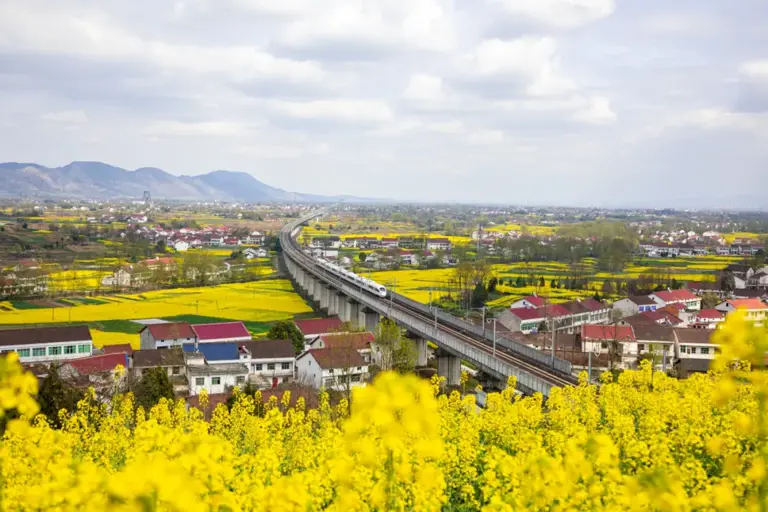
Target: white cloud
(597,110)
(342,110)
(757,69)
(425,87)
(171,128)
(535,59)
(66,117)
(560,13)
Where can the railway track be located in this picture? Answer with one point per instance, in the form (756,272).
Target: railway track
(550,376)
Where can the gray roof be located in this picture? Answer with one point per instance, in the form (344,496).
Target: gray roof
(654,333)
(642,300)
(158,357)
(694,335)
(44,335)
(270,349)
(217,369)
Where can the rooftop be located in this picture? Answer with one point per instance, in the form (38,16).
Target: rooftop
(319,325)
(356,340)
(158,357)
(642,300)
(676,295)
(328,358)
(170,331)
(700,336)
(749,304)
(218,369)
(710,314)
(216,351)
(121,348)
(607,332)
(654,333)
(42,335)
(100,363)
(269,349)
(221,331)
(527,313)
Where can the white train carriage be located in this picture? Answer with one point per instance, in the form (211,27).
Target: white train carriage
(366,284)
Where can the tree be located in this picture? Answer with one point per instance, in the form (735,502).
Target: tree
(553,284)
(492,285)
(287,330)
(709,300)
(394,350)
(55,394)
(153,386)
(519,283)
(542,283)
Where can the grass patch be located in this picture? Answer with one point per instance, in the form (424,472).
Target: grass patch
(22,304)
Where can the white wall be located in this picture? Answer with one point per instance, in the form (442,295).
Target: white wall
(225,381)
(308,371)
(47,356)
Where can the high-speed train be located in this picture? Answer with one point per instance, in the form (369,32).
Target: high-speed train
(366,284)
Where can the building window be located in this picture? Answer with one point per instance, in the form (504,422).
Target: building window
(355,378)
(286,366)
(84,349)
(70,349)
(705,350)
(54,351)
(215,381)
(23,352)
(330,371)
(640,347)
(603,345)
(360,368)
(239,379)
(271,366)
(199,381)
(176,370)
(258,367)
(38,352)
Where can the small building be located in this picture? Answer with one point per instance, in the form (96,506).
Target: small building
(170,359)
(438,244)
(47,344)
(166,335)
(215,378)
(636,304)
(361,341)
(332,368)
(755,310)
(525,320)
(274,360)
(251,253)
(658,340)
(181,246)
(682,296)
(694,344)
(599,339)
(221,332)
(532,301)
(707,319)
(313,328)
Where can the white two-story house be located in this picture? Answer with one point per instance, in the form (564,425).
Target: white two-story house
(332,368)
(47,344)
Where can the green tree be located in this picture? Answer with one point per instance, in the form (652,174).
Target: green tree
(479,295)
(153,386)
(287,330)
(55,394)
(395,351)
(542,283)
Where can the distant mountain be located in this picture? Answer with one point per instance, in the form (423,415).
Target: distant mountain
(97,180)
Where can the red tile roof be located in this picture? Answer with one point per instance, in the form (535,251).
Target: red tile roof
(747,304)
(527,313)
(607,332)
(535,300)
(556,310)
(356,340)
(676,295)
(710,314)
(121,348)
(101,363)
(222,331)
(594,305)
(319,325)
(170,331)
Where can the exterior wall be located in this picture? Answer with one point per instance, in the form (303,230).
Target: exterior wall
(626,306)
(695,351)
(272,368)
(199,382)
(309,372)
(172,371)
(223,340)
(63,351)
(175,342)
(336,378)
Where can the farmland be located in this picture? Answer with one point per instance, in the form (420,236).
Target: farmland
(257,303)
(416,284)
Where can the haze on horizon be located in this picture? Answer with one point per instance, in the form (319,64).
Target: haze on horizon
(592,102)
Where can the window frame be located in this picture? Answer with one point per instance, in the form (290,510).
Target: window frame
(198,381)
(215,381)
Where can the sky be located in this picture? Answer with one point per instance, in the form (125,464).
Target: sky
(574,102)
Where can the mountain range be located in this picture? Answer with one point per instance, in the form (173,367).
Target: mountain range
(97,180)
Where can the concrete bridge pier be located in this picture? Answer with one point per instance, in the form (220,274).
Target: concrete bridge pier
(322,295)
(422,356)
(335,299)
(353,313)
(371,321)
(449,366)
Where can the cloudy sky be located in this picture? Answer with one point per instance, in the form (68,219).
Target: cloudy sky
(515,101)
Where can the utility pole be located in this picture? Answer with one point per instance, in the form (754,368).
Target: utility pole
(494,337)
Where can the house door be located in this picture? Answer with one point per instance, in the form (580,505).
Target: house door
(274,382)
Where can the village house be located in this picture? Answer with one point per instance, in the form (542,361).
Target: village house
(657,341)
(214,378)
(682,296)
(251,253)
(181,246)
(363,342)
(707,319)
(755,310)
(325,242)
(166,335)
(170,359)
(617,340)
(532,301)
(332,368)
(636,304)
(438,244)
(47,344)
(313,328)
(220,332)
(694,344)
(525,320)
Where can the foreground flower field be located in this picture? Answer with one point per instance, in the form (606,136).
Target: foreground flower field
(644,442)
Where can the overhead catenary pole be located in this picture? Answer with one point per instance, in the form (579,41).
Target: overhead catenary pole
(494,337)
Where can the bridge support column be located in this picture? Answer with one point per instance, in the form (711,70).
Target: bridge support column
(421,352)
(372,319)
(323,295)
(449,366)
(353,313)
(334,299)
(316,292)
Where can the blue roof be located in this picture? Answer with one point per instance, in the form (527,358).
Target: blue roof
(215,351)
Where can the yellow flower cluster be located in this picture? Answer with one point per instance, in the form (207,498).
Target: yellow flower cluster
(643,441)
